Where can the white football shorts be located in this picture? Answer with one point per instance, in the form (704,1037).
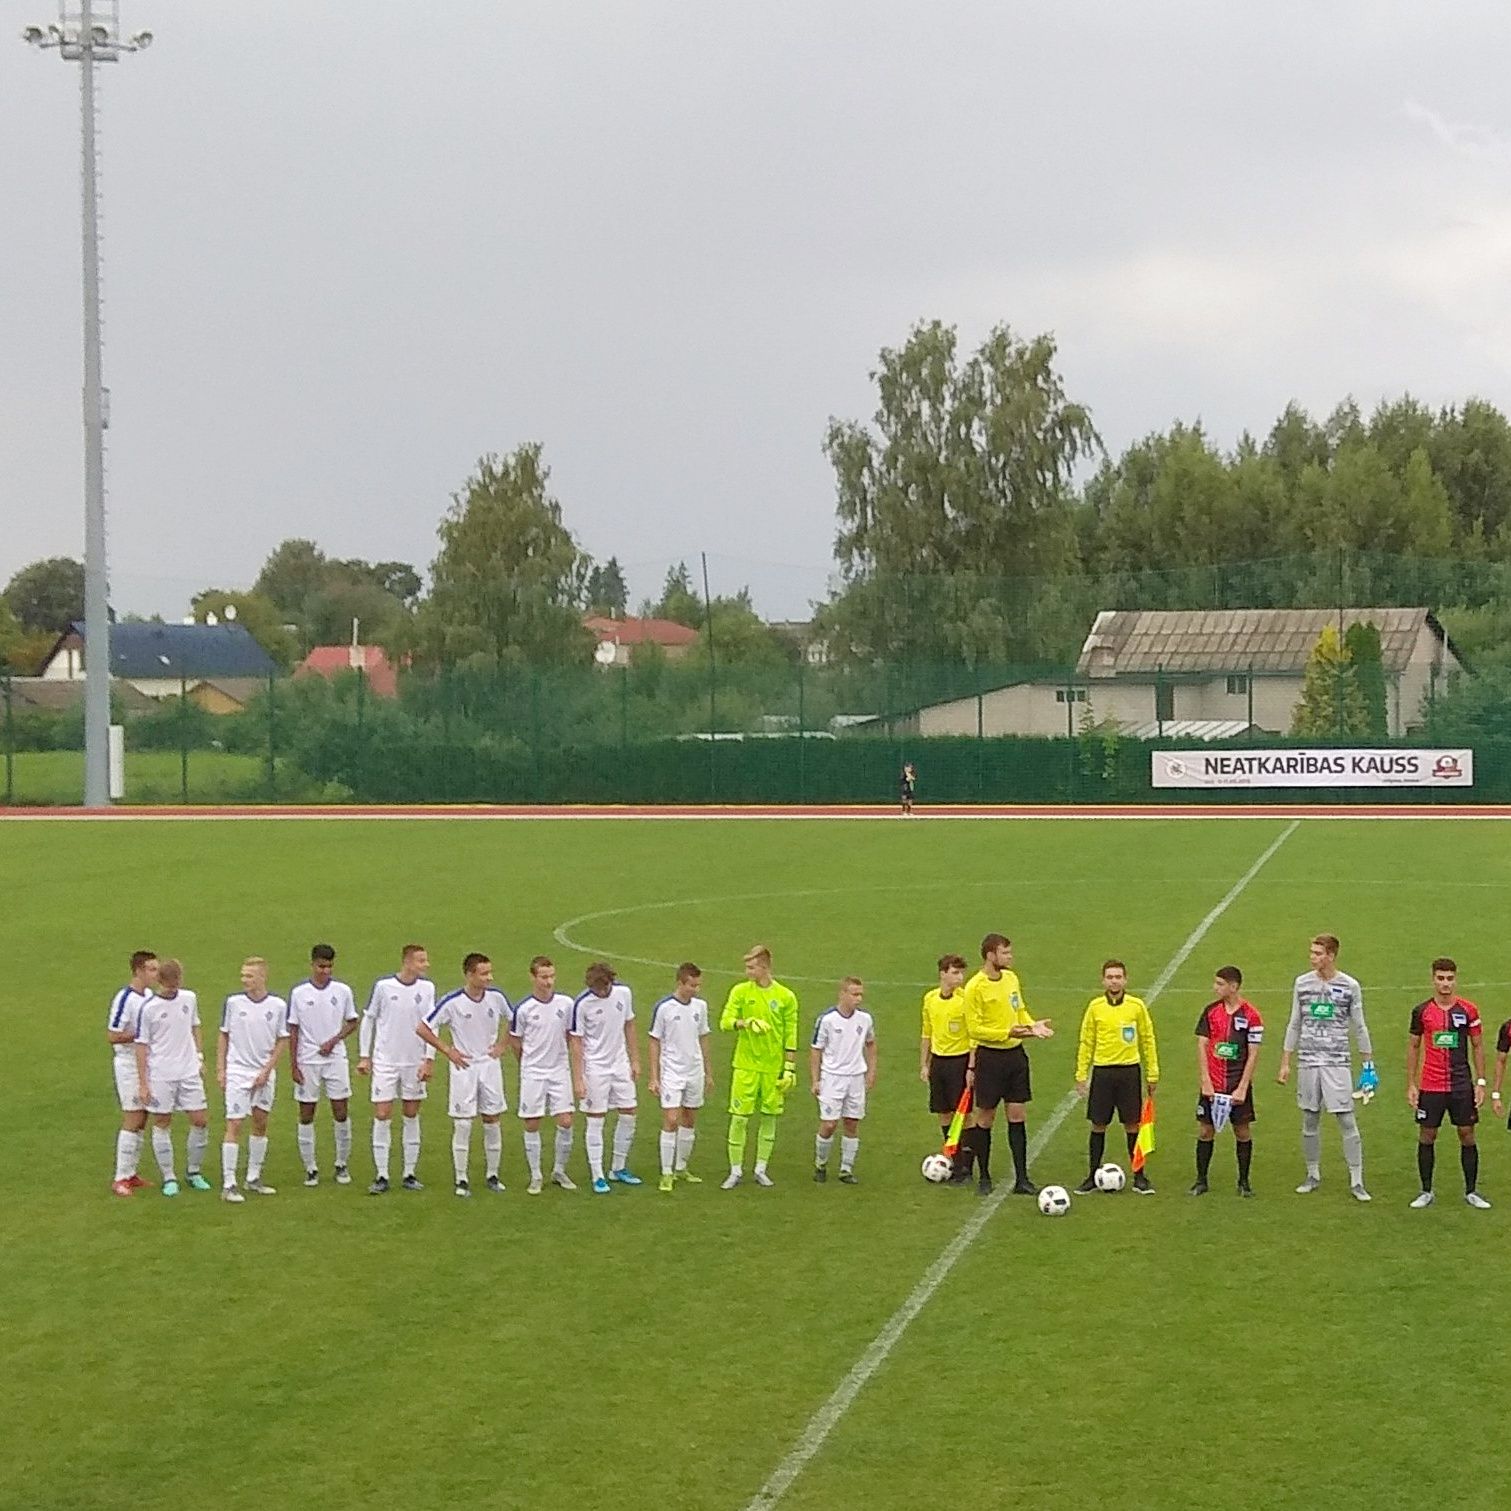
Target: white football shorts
(477,1091)
(841,1096)
(1325,1088)
(331,1077)
(545,1096)
(178,1094)
(607,1088)
(128,1084)
(242,1096)
(681,1091)
(397,1083)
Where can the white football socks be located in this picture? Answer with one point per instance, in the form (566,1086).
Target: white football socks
(382,1141)
(624,1136)
(343,1144)
(668,1150)
(199,1141)
(684,1147)
(162,1149)
(564,1148)
(595,1148)
(493,1147)
(461,1146)
(128,1152)
(257,1152)
(848,1149)
(411,1145)
(305,1133)
(532,1152)
(229,1154)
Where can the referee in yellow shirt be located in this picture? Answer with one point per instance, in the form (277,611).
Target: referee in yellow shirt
(1117,1044)
(944,1052)
(998,1022)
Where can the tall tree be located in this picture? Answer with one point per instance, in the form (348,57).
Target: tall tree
(679,601)
(1331,705)
(509,581)
(607,592)
(966,469)
(257,615)
(295,569)
(47,595)
(1361,644)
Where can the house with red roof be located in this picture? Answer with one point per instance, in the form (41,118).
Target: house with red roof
(329,660)
(617,638)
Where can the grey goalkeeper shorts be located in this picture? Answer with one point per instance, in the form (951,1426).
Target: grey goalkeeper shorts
(1325,1088)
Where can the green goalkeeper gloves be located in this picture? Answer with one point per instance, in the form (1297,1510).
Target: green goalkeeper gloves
(787,1080)
(756,1026)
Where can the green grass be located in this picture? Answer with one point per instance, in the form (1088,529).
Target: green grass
(52,777)
(644,1351)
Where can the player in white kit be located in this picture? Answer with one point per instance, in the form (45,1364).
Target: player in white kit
(842,1063)
(605,1053)
(474,1015)
(254,1027)
(398,1060)
(120,1033)
(322,1016)
(681,1073)
(538,1035)
(170,1065)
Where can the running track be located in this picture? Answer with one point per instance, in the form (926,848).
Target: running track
(711,811)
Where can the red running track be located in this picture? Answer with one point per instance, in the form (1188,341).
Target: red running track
(754,811)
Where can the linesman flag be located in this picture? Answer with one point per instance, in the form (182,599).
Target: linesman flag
(952,1138)
(1144,1147)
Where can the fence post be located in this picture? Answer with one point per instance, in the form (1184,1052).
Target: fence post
(10,744)
(980,734)
(1249,733)
(183,737)
(272,740)
(535,727)
(713,678)
(802,728)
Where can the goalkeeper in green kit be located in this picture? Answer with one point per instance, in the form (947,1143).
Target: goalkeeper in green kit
(763,1015)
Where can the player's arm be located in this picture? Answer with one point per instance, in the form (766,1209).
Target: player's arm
(1502,1050)
(271,1063)
(125,1034)
(870,1061)
(815,1066)
(1250,1065)
(632,1044)
(452,1053)
(1361,1030)
(925,1045)
(653,1044)
(1203,1066)
(143,1084)
(574,1057)
(222,1048)
(1148,1049)
(730,1017)
(294,1043)
(1291,1040)
(1477,1050)
(349,1022)
(1085,1046)
(1413,1056)
(708,1064)
(368,1033)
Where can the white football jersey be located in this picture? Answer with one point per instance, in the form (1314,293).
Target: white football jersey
(125,1010)
(473,1024)
(388,1027)
(680,1027)
(252,1030)
(599,1022)
(320,1013)
(541,1028)
(166,1026)
(842,1041)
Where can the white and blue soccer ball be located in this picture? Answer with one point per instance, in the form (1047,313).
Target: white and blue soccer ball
(1054,1201)
(1110,1178)
(938,1168)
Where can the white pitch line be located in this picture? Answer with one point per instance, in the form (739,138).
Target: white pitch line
(828,1416)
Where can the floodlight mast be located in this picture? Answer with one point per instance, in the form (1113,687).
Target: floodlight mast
(89,32)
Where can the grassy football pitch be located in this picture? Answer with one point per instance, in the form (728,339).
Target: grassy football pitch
(651,1351)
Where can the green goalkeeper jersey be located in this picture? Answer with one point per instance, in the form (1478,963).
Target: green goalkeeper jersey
(777,1007)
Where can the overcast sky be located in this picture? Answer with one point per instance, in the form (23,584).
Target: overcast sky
(349,248)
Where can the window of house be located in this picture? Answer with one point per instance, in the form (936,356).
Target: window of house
(1070,695)
(1164,701)
(1238,685)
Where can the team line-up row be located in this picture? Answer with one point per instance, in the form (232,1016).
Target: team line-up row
(585,1052)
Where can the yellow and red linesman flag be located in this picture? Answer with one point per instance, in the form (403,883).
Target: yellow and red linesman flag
(1144,1146)
(952,1138)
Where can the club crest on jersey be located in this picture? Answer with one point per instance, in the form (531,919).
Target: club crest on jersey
(1240,1024)
(1128,1033)
(267,1017)
(1459,1020)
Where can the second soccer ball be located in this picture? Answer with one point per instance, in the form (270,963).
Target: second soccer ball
(1110,1178)
(1054,1201)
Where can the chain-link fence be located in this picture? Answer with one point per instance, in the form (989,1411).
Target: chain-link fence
(995,688)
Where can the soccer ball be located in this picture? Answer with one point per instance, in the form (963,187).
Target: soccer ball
(1110,1178)
(938,1167)
(1054,1201)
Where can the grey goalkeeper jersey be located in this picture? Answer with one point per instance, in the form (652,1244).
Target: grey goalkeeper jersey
(1322,1015)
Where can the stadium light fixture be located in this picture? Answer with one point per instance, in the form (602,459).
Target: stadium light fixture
(89,32)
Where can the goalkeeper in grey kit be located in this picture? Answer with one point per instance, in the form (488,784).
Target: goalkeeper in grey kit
(1327,1007)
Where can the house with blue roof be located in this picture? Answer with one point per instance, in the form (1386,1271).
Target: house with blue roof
(160,659)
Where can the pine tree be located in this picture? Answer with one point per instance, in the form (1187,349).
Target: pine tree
(1361,644)
(1331,704)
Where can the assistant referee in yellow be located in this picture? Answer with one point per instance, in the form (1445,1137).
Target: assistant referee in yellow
(1116,1046)
(998,1021)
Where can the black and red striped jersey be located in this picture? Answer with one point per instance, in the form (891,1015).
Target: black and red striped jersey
(1445,1033)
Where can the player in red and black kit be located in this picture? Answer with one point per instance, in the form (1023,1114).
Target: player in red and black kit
(1502,1050)
(1228,1035)
(1445,1034)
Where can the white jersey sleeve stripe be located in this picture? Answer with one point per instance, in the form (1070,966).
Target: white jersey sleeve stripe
(118,1008)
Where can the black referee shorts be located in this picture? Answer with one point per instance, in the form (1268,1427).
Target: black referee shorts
(1001,1076)
(1115,1091)
(946,1081)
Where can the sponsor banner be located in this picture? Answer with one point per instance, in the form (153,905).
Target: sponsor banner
(1312,768)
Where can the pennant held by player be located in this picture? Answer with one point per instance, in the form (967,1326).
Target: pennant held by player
(1145,1145)
(952,1138)
(1222,1110)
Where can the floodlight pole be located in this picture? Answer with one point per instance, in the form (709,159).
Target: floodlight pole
(86,35)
